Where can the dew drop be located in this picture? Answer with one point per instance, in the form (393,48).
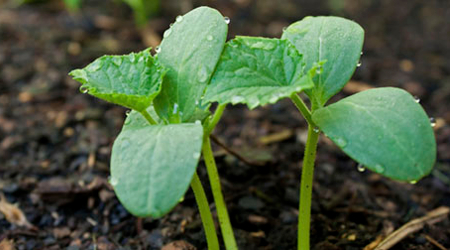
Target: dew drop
(196,155)
(273,99)
(84,89)
(237,99)
(113,181)
(158,49)
(167,33)
(316,130)
(181,199)
(128,112)
(432,122)
(227,20)
(417,99)
(359,64)
(362,53)
(117,61)
(413,182)
(379,168)
(198,122)
(179,19)
(202,74)
(284,29)
(341,142)
(209,38)
(175,108)
(318,70)
(132,57)
(361,168)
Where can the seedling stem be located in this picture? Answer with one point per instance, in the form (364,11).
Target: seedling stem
(205,213)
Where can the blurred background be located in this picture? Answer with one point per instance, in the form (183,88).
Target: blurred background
(55,142)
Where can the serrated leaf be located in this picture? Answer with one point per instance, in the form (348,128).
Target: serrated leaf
(335,40)
(190,51)
(384,129)
(132,81)
(256,71)
(152,166)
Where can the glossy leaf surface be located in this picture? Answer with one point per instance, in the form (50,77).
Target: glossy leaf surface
(152,166)
(333,40)
(384,129)
(132,81)
(256,71)
(190,51)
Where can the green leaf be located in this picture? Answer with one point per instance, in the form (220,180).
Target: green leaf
(132,80)
(257,71)
(190,51)
(335,40)
(152,166)
(384,129)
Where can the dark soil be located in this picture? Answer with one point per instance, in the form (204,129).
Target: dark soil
(55,142)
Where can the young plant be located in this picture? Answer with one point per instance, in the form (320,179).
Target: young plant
(155,156)
(384,129)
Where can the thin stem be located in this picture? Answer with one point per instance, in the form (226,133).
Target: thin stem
(148,117)
(215,119)
(205,213)
(222,213)
(301,106)
(304,216)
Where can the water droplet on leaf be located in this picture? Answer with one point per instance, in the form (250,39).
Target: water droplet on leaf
(179,19)
(227,20)
(84,89)
(432,121)
(361,168)
(132,57)
(127,113)
(167,32)
(209,38)
(236,99)
(417,99)
(202,74)
(379,168)
(316,130)
(359,64)
(198,122)
(341,142)
(175,108)
(113,181)
(158,49)
(117,61)
(196,155)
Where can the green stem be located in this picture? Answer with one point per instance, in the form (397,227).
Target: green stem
(304,216)
(301,106)
(222,213)
(215,119)
(205,213)
(148,117)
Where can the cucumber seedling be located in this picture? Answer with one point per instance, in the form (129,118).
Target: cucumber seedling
(155,156)
(383,129)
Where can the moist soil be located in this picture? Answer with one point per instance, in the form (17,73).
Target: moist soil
(55,142)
